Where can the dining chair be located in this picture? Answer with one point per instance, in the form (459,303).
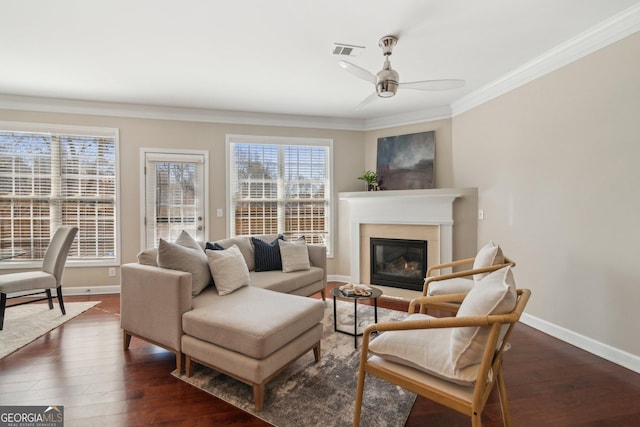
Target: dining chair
(49,277)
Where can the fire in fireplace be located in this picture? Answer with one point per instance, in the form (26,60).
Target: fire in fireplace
(399,263)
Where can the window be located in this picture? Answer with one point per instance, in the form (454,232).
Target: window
(280,185)
(175,195)
(52,176)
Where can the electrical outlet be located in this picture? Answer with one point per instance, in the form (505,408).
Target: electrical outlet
(481,214)
(219,213)
(112,272)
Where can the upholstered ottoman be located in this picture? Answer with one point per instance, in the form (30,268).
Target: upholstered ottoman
(251,334)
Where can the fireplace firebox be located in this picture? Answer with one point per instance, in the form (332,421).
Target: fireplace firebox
(399,263)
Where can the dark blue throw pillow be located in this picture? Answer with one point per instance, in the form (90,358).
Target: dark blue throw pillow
(267,254)
(213,247)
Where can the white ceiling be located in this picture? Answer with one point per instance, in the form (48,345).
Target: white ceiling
(275,56)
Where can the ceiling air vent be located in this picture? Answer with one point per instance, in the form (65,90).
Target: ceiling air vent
(342,49)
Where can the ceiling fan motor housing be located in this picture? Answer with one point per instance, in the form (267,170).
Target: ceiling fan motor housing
(387,81)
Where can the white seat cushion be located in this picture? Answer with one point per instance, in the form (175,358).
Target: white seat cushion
(26,281)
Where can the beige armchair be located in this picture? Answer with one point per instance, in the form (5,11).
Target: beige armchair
(488,259)
(42,280)
(455,361)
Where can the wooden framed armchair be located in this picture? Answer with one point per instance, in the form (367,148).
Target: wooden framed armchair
(454,361)
(488,259)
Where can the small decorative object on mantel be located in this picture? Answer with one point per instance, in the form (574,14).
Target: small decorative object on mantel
(370,178)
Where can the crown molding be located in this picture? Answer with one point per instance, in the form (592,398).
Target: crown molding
(605,33)
(421,116)
(97,108)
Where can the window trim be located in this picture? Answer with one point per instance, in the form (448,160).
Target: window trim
(281,140)
(75,130)
(144,152)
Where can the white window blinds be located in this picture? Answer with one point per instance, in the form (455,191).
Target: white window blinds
(280,186)
(48,180)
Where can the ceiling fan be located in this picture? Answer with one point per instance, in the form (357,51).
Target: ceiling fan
(386,81)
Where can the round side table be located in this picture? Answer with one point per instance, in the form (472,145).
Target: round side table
(336,293)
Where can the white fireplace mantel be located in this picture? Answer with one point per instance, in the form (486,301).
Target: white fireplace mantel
(411,207)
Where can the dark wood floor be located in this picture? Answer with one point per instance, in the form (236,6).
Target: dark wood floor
(81,365)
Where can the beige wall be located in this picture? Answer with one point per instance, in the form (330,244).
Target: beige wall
(556,163)
(137,133)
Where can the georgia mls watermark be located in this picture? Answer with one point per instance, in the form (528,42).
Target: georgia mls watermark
(31,416)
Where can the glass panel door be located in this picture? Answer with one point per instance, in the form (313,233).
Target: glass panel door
(175,196)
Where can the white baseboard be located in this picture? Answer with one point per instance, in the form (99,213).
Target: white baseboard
(336,278)
(605,351)
(91,290)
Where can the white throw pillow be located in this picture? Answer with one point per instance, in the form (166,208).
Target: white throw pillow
(488,255)
(186,255)
(229,269)
(423,349)
(295,256)
(494,294)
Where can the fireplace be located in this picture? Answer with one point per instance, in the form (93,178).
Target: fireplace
(399,263)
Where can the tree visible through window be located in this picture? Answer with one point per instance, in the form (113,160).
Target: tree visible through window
(280,186)
(48,180)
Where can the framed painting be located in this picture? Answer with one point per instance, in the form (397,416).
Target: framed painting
(406,162)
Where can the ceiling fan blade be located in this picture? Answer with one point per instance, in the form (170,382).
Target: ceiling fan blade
(434,85)
(359,72)
(368,100)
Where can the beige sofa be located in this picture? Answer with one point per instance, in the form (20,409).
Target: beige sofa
(251,333)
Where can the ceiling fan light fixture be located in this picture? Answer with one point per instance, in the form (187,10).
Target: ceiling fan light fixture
(386,88)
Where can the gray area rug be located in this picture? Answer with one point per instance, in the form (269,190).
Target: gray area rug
(322,394)
(25,323)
